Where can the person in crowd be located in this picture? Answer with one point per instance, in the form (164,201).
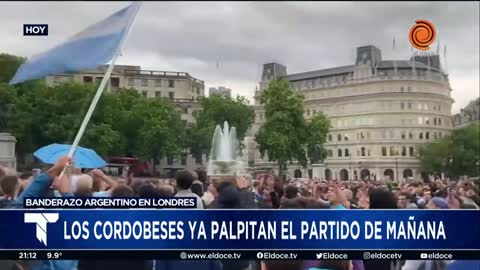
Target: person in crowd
(349,196)
(39,188)
(166,190)
(381,198)
(402,200)
(337,198)
(185,180)
(210,196)
(10,185)
(437,203)
(122,191)
(202,177)
(291,191)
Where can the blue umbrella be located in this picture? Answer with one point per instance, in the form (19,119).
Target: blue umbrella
(83,157)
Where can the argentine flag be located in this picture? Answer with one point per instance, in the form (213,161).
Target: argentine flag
(88,49)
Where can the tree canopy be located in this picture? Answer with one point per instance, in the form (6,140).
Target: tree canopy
(286,135)
(456,155)
(215,111)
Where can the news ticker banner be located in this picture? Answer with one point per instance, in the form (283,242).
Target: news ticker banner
(169,229)
(239,255)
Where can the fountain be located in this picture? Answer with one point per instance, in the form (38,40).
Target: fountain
(224,155)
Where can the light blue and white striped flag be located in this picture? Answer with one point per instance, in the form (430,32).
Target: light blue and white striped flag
(88,49)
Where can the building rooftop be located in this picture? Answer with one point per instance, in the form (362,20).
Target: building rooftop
(320,73)
(384,64)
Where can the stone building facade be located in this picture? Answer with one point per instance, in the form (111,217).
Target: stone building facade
(380,112)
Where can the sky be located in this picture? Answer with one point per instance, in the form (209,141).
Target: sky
(242,36)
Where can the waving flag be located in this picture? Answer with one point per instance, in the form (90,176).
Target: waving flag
(89,48)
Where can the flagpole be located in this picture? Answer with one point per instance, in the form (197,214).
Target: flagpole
(100,89)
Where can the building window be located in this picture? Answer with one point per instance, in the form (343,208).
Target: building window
(402,105)
(427,121)
(435,135)
(158,94)
(384,134)
(392,151)
(87,79)
(131,82)
(347,153)
(339,152)
(144,93)
(158,83)
(409,89)
(392,134)
(329,153)
(409,105)
(419,106)
(339,137)
(345,138)
(420,120)
(410,135)
(171,83)
(169,160)
(439,121)
(329,137)
(314,112)
(363,151)
(171,95)
(434,121)
(427,135)
(368,152)
(144,82)
(308,112)
(402,89)
(412,151)
(368,135)
(404,135)
(404,151)
(384,151)
(420,136)
(198,90)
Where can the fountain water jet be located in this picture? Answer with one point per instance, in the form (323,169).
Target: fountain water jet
(224,154)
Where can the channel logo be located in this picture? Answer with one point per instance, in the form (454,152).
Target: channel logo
(422,34)
(41,219)
(35,29)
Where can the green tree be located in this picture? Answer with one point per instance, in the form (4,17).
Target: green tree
(457,154)
(215,111)
(317,130)
(286,135)
(161,132)
(8,66)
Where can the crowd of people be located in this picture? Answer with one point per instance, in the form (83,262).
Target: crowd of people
(266,191)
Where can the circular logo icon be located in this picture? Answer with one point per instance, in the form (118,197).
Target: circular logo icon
(422,34)
(183,255)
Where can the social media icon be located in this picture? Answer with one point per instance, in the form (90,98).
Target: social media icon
(423,256)
(319,256)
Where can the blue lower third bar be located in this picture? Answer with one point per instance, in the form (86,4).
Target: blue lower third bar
(240,230)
